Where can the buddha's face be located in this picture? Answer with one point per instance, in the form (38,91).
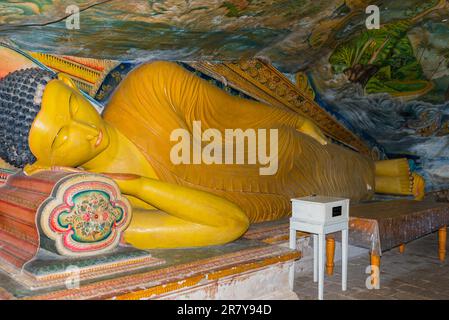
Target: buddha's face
(67,131)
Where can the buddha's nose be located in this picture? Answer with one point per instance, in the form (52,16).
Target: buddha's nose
(91,137)
(92,132)
(98,137)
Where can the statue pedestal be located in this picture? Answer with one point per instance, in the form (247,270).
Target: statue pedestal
(267,283)
(243,269)
(66,212)
(39,259)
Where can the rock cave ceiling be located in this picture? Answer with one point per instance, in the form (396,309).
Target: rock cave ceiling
(292,34)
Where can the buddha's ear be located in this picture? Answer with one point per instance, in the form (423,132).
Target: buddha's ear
(67,80)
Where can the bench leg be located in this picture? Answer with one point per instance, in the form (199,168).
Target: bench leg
(375,274)
(442,234)
(330,253)
(292,239)
(402,248)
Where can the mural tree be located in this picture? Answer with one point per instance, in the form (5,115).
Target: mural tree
(383,61)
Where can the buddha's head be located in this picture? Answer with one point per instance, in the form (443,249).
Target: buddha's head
(44,119)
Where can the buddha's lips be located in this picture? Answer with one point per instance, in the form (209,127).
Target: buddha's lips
(99,139)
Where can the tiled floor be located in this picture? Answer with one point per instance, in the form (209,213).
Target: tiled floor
(415,274)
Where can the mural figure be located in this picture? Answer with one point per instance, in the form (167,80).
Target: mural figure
(382,61)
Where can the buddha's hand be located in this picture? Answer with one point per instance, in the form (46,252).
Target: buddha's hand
(311,129)
(29,169)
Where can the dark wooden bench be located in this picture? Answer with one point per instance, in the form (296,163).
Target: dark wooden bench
(381,226)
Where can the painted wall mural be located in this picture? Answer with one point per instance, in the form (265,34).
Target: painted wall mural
(288,32)
(389,85)
(392,83)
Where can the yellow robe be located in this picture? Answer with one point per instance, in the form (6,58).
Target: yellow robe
(158,97)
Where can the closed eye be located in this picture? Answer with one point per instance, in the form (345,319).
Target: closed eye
(60,138)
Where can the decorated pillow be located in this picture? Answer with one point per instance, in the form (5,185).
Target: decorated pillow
(84,215)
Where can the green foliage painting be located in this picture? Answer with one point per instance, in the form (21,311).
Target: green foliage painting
(382,61)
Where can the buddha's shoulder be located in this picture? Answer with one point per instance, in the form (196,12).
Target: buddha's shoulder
(158,67)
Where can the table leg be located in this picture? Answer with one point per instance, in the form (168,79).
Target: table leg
(442,235)
(315,258)
(330,253)
(375,264)
(292,242)
(322,256)
(291,276)
(344,259)
(292,245)
(402,248)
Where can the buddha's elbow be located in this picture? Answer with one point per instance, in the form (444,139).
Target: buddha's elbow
(241,225)
(234,228)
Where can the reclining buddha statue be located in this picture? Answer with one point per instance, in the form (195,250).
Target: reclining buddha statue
(46,122)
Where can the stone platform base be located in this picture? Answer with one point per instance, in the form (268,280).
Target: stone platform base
(49,270)
(269,283)
(243,269)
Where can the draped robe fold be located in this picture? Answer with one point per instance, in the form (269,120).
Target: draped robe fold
(159,97)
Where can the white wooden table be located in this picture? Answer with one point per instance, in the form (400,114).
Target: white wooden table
(320,228)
